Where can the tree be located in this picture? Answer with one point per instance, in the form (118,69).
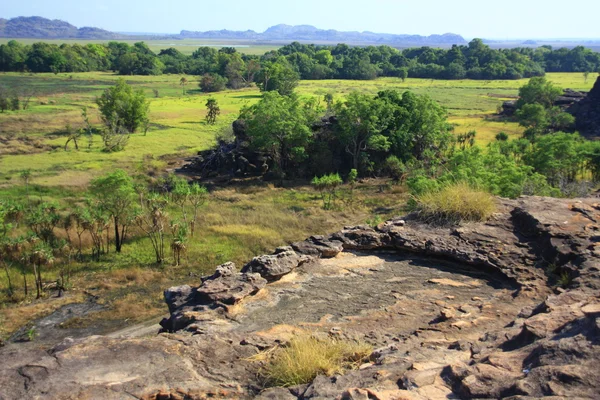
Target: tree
(403,74)
(278,76)
(182,82)
(151,218)
(212,82)
(123,108)
(538,91)
(213,111)
(114,193)
(418,128)
(361,119)
(280,125)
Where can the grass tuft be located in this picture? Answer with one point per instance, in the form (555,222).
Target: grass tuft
(306,357)
(453,204)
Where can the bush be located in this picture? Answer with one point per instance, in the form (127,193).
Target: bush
(212,83)
(327,185)
(453,204)
(305,357)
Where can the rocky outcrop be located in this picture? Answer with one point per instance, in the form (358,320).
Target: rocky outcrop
(509,307)
(225,287)
(587,113)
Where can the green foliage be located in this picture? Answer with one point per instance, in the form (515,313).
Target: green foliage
(362,119)
(327,185)
(114,194)
(122,108)
(280,125)
(278,76)
(557,156)
(418,128)
(538,91)
(212,82)
(394,168)
(213,111)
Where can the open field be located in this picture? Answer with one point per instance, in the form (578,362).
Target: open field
(238,222)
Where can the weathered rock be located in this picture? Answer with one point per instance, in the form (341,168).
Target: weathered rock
(587,113)
(273,267)
(318,246)
(230,289)
(224,287)
(466,311)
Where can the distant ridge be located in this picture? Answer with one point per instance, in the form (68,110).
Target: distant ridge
(43,28)
(311,33)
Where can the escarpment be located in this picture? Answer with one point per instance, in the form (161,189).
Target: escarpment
(509,307)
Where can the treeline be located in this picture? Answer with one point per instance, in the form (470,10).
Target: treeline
(408,138)
(474,61)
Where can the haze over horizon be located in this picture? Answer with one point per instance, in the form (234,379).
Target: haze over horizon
(511,19)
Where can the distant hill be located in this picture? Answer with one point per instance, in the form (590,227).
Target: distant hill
(43,28)
(311,33)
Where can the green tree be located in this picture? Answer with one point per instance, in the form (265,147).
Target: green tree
(213,111)
(362,119)
(538,91)
(534,118)
(419,126)
(122,107)
(280,125)
(212,82)
(278,76)
(115,194)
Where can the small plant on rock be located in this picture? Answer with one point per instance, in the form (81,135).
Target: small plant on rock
(306,357)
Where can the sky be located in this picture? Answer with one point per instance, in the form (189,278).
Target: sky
(503,19)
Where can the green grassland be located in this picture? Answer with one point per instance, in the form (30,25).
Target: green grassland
(238,222)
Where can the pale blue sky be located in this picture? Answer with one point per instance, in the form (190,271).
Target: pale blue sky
(470,18)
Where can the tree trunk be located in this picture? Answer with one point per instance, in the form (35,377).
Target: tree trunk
(37,283)
(25,283)
(117,236)
(10,288)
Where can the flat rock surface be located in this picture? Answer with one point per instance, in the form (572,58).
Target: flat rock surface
(471,311)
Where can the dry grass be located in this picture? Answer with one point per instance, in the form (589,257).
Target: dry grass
(455,203)
(305,357)
(12,318)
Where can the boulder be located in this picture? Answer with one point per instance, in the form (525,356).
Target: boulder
(273,267)
(319,246)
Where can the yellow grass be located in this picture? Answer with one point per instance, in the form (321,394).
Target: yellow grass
(455,203)
(306,357)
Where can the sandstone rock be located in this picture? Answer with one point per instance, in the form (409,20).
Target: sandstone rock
(551,347)
(319,246)
(230,289)
(273,267)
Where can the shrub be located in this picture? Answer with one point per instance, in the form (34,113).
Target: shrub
(305,357)
(327,185)
(453,204)
(212,83)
